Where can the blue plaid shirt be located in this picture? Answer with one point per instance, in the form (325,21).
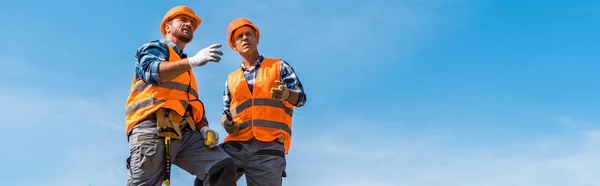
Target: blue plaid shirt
(149,56)
(288,76)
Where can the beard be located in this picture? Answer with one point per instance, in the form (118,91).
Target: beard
(186,38)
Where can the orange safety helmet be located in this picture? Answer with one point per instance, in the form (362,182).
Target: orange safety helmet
(237,23)
(176,11)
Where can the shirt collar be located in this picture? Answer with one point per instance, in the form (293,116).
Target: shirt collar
(258,62)
(175,47)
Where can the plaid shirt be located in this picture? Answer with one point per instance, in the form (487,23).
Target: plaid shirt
(288,76)
(149,56)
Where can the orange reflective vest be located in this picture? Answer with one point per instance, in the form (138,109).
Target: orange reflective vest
(177,94)
(259,115)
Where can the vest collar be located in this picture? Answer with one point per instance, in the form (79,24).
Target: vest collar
(259,61)
(175,47)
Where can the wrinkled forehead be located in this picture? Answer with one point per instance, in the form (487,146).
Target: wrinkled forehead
(184,18)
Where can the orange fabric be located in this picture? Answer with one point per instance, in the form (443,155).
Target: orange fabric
(176,94)
(176,11)
(259,113)
(238,23)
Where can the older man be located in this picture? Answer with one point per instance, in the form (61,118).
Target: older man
(259,100)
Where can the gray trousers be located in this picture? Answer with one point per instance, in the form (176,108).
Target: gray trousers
(147,165)
(263,163)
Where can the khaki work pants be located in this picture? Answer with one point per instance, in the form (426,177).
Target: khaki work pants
(263,163)
(147,165)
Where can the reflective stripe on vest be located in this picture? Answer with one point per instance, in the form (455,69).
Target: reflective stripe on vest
(168,85)
(260,102)
(259,115)
(266,123)
(177,94)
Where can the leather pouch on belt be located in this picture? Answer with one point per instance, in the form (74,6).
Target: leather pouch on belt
(168,124)
(189,120)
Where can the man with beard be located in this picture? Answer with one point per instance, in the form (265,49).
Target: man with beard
(165,119)
(259,99)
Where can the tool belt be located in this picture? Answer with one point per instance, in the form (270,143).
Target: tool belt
(170,124)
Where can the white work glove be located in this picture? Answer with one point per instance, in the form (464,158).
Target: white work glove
(208,141)
(211,53)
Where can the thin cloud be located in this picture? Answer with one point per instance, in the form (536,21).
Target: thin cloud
(395,160)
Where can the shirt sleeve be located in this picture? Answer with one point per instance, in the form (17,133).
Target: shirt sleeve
(204,118)
(148,59)
(291,80)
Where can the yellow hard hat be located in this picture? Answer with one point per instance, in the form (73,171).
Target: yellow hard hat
(237,23)
(176,11)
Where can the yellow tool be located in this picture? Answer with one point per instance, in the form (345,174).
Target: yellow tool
(167,180)
(209,138)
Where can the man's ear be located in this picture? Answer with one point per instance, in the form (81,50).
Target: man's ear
(234,47)
(256,36)
(168,26)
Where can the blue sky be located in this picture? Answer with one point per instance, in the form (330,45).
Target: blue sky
(417,93)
